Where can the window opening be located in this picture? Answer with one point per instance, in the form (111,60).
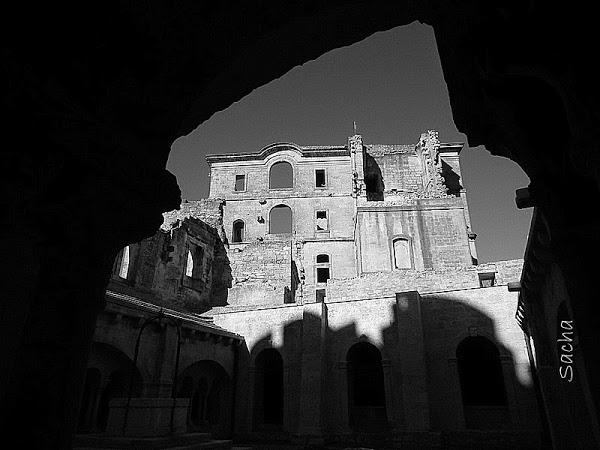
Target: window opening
(322,222)
(238,231)
(240,183)
(281,176)
(280,220)
(124,269)
(402,258)
(320,180)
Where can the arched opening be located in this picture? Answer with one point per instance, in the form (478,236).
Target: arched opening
(268,390)
(208,386)
(366,391)
(107,377)
(198,404)
(281,176)
(238,231)
(322,258)
(117,387)
(481,384)
(280,220)
(89,400)
(402,256)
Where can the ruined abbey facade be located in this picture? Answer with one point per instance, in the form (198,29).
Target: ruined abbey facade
(321,292)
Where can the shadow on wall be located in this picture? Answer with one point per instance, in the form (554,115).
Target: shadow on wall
(222,276)
(438,365)
(455,378)
(373,179)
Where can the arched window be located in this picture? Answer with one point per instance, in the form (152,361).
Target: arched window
(402,259)
(366,392)
(322,258)
(322,269)
(481,383)
(238,231)
(124,264)
(268,389)
(280,220)
(281,176)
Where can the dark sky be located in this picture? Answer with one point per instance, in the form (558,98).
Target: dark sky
(392,85)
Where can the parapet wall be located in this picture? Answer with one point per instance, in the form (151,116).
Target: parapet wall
(386,284)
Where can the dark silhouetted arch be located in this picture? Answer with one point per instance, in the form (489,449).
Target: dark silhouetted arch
(281,175)
(481,383)
(208,386)
(107,377)
(366,392)
(280,220)
(89,400)
(268,392)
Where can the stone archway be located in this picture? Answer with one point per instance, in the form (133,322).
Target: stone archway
(208,385)
(366,391)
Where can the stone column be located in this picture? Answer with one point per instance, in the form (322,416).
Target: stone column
(250,412)
(342,415)
(411,356)
(310,425)
(390,405)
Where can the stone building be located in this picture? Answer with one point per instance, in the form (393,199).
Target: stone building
(336,291)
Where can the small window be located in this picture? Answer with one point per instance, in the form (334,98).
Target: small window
(322,259)
(124,266)
(322,274)
(322,223)
(320,295)
(238,231)
(240,183)
(320,180)
(487,279)
(189,267)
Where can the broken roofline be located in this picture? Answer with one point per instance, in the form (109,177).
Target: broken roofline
(306,151)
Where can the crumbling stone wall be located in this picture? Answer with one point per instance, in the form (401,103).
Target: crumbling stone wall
(262,273)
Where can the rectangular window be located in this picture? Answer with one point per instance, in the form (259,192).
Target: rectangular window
(240,183)
(322,274)
(320,295)
(322,223)
(320,180)
(487,279)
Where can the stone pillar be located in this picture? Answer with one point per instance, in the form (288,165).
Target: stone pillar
(250,412)
(311,405)
(394,419)
(342,416)
(411,356)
